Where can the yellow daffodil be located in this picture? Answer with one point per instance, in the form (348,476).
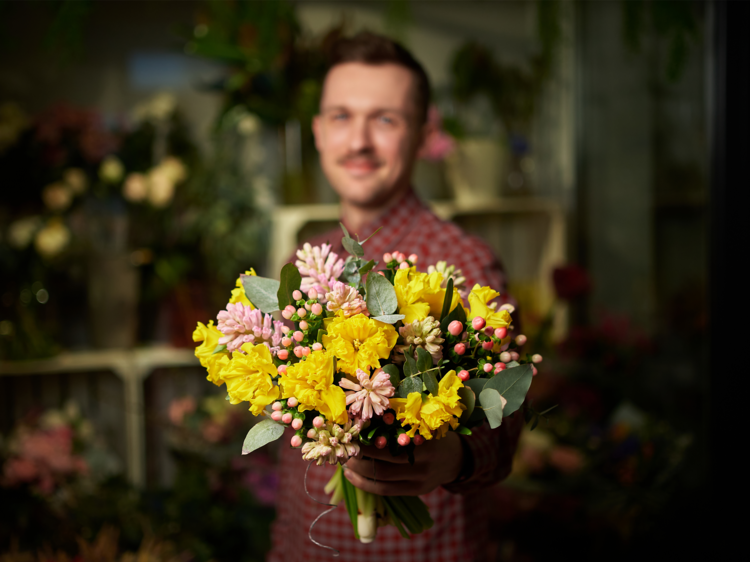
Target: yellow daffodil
(436,414)
(238,294)
(420,294)
(248,377)
(358,342)
(478,299)
(214,362)
(311,382)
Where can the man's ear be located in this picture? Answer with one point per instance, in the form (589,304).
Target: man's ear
(425,134)
(317,133)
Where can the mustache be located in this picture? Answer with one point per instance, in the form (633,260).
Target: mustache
(360,157)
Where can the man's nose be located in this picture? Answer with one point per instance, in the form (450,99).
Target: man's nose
(359,136)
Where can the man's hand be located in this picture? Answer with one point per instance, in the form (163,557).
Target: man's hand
(436,462)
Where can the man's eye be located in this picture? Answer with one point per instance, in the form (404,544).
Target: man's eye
(387,120)
(339,116)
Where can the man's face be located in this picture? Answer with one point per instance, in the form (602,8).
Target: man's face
(367,132)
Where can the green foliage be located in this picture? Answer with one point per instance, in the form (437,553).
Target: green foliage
(409,385)
(389,318)
(262,433)
(448,299)
(289,281)
(350,500)
(469,399)
(424,360)
(457,313)
(262,292)
(430,382)
(513,384)
(381,296)
(393,373)
(492,404)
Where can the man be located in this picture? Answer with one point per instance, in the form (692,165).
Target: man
(371,126)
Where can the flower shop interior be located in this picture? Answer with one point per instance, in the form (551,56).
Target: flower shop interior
(152,151)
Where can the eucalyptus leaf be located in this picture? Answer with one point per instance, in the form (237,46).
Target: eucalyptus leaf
(371,235)
(219,348)
(290,281)
(346,232)
(410,366)
(469,399)
(261,434)
(262,292)
(381,296)
(394,373)
(389,318)
(448,299)
(353,247)
(477,385)
(513,384)
(430,382)
(492,404)
(512,365)
(409,385)
(424,360)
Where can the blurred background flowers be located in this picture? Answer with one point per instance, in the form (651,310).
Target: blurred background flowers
(148,156)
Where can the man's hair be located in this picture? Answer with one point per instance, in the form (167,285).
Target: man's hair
(370,48)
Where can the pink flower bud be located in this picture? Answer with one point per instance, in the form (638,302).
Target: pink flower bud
(505,357)
(292,402)
(455,328)
(290,308)
(296,441)
(404,439)
(283,354)
(501,333)
(297,295)
(536,358)
(488,330)
(381,273)
(286,314)
(478,323)
(487,345)
(306,351)
(487,367)
(281,369)
(302,312)
(413,258)
(389,418)
(277,406)
(520,339)
(312,293)
(287,418)
(418,439)
(286,342)
(514,356)
(533,371)
(318,421)
(298,351)
(296,423)
(499,367)
(317,309)
(299,336)
(276,416)
(285,329)
(303,325)
(460,348)
(387,258)
(464,375)
(311,433)
(403,265)
(307,306)
(381,441)
(398,256)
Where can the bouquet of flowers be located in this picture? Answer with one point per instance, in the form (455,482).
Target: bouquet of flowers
(388,357)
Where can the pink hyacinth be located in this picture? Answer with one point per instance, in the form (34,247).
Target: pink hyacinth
(345,298)
(319,268)
(370,395)
(241,324)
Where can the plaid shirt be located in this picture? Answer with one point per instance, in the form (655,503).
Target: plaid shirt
(460,511)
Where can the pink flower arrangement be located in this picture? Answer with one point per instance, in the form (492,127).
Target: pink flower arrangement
(241,324)
(370,395)
(345,298)
(319,268)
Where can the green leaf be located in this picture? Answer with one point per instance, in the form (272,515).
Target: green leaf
(492,404)
(424,360)
(409,385)
(351,271)
(394,517)
(430,382)
(320,335)
(219,348)
(389,318)
(371,235)
(353,247)
(381,296)
(513,384)
(448,299)
(477,385)
(346,232)
(350,499)
(290,281)
(372,432)
(367,267)
(457,313)
(394,373)
(262,292)
(469,400)
(463,430)
(512,365)
(261,434)
(410,366)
